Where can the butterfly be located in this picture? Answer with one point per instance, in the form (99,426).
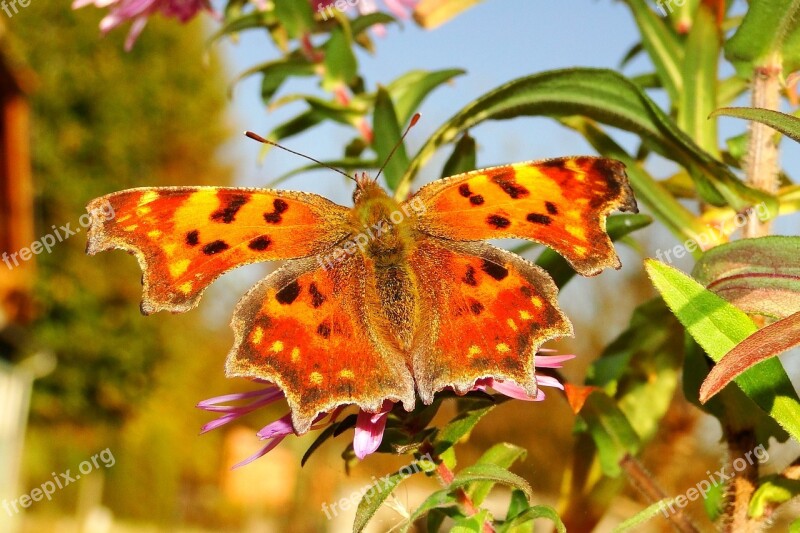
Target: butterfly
(385,300)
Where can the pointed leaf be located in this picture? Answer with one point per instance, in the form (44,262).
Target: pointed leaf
(643,516)
(767,342)
(718,326)
(374,498)
(387,135)
(463,157)
(786,124)
(760,276)
(409,90)
(503,455)
(533,513)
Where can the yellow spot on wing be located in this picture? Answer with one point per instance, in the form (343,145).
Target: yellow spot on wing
(148,197)
(141,211)
(473,351)
(131,227)
(258,334)
(580,250)
(524,315)
(316,378)
(576,231)
(178,267)
(155,234)
(511,324)
(186,288)
(170,248)
(503,348)
(347,374)
(277,347)
(295,354)
(535,300)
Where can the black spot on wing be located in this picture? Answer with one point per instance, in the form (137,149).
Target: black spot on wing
(279,206)
(476,307)
(469,277)
(494,270)
(317,298)
(227,213)
(476,200)
(464,191)
(193,238)
(498,221)
(551,208)
(215,247)
(259,244)
(509,185)
(289,293)
(537,218)
(324,330)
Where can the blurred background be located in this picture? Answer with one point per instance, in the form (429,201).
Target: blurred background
(83,372)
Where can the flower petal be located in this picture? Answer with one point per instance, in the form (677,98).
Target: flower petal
(369,430)
(551,361)
(280,428)
(261,453)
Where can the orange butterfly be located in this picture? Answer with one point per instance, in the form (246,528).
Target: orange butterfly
(384,300)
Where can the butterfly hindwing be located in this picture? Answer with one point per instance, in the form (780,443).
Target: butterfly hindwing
(562,203)
(185,237)
(304,328)
(487,312)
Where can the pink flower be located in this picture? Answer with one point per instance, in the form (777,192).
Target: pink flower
(139,11)
(369,426)
(398,8)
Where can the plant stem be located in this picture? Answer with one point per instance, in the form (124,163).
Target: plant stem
(761,164)
(643,481)
(743,484)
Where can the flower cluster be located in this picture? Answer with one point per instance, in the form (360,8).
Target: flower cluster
(138,11)
(369,426)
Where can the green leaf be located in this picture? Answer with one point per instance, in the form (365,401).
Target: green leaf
(608,97)
(503,455)
(491,473)
(388,133)
(643,516)
(254,20)
(362,23)
(533,513)
(459,428)
(463,157)
(610,430)
(772,491)
(341,67)
(767,342)
(759,276)
(718,326)
(786,124)
(370,503)
(768,34)
(440,498)
(662,46)
(471,524)
(618,226)
(296,17)
(698,97)
(409,90)
(640,368)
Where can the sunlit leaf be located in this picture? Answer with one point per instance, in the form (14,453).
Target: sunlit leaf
(786,124)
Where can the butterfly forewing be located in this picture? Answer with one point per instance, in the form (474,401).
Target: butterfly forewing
(562,203)
(185,237)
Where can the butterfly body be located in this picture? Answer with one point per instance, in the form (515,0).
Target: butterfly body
(385,300)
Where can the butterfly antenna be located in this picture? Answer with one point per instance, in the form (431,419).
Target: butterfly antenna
(259,138)
(397,145)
